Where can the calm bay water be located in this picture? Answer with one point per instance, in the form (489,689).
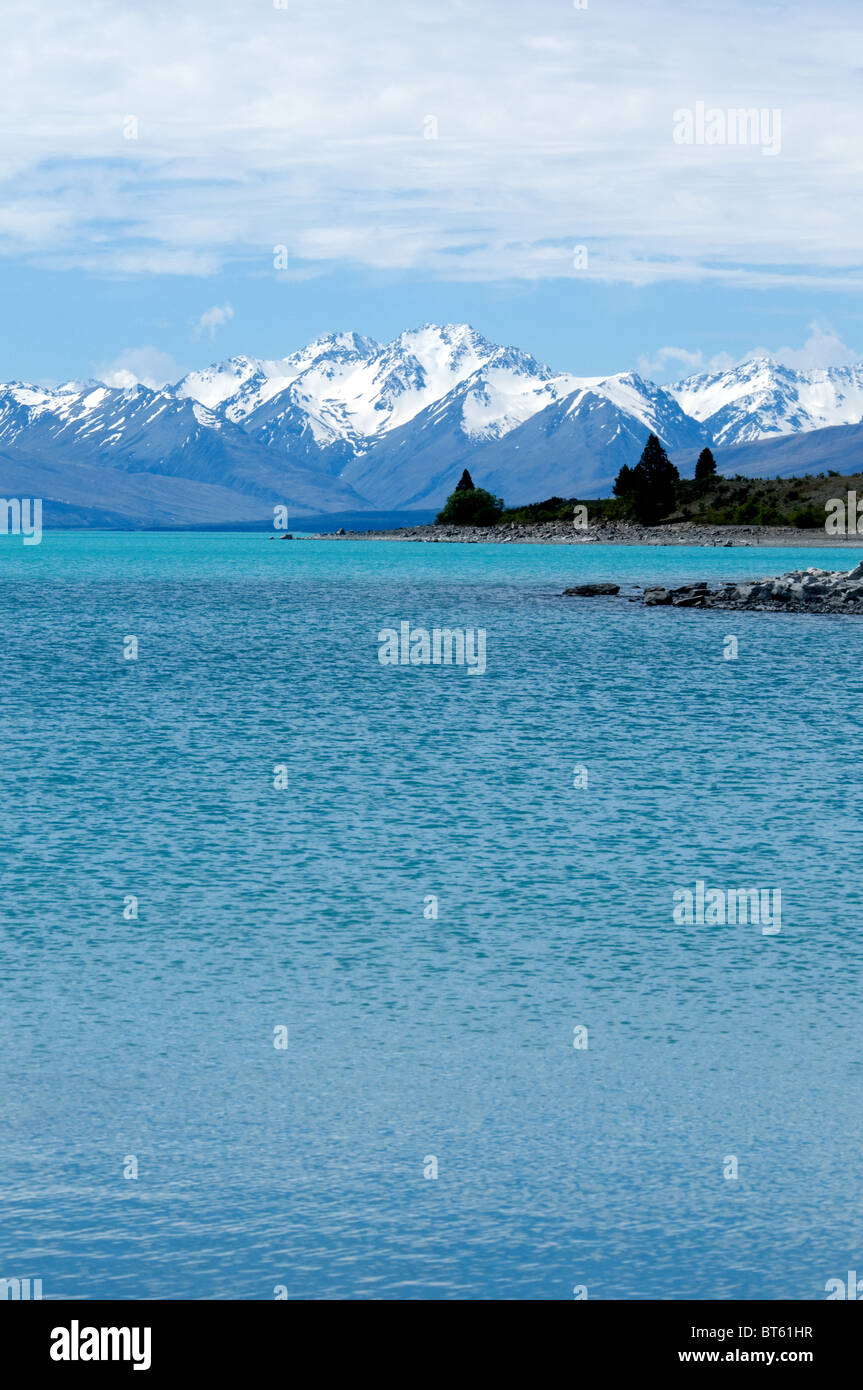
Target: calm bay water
(408,1037)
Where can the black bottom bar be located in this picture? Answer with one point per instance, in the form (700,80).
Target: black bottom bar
(222,1339)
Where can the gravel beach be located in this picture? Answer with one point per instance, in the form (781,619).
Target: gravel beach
(608,533)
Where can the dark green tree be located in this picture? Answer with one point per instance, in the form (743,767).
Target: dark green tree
(624,482)
(470,506)
(706,465)
(654,483)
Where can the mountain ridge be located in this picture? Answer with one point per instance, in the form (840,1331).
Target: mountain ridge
(348,424)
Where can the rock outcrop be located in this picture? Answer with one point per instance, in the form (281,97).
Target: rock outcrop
(592,590)
(801,591)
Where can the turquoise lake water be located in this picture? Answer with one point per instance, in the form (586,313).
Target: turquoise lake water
(411,1038)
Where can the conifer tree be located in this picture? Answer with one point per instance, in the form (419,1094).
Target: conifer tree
(624,482)
(654,480)
(706,465)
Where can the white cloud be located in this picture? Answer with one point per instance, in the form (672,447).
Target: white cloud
(214,318)
(259,126)
(823,348)
(673,362)
(147,365)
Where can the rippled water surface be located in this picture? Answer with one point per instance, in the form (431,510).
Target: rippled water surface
(409,1037)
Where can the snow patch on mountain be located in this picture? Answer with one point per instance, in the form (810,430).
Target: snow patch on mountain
(760,399)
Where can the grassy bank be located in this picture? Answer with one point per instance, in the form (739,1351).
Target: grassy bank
(714,501)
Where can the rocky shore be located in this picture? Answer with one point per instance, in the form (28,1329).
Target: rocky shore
(801,591)
(606,533)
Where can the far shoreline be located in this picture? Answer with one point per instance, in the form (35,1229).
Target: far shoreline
(608,533)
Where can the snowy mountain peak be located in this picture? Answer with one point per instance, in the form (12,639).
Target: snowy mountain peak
(213,385)
(350,422)
(454,336)
(761,398)
(340,347)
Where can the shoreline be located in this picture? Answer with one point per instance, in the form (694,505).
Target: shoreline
(607,533)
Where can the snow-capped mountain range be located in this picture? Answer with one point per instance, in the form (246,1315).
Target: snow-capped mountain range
(349,425)
(761,399)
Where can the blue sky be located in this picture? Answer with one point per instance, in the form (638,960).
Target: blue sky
(427,162)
